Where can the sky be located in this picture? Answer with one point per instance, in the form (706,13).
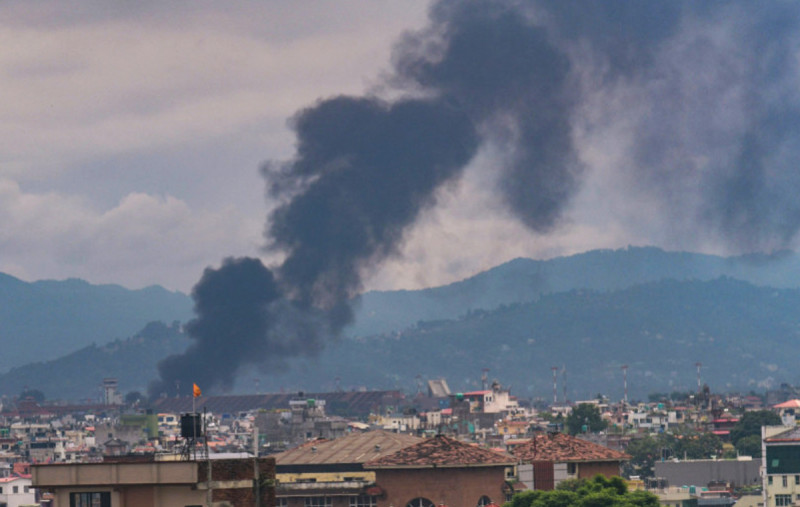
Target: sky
(132,136)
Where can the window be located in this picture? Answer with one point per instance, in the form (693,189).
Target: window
(363,501)
(783,500)
(420,502)
(26,489)
(572,468)
(797,479)
(784,481)
(484,501)
(90,499)
(769,480)
(281,501)
(317,501)
(16,489)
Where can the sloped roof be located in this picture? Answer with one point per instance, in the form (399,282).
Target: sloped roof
(441,451)
(353,448)
(560,447)
(790,435)
(788,404)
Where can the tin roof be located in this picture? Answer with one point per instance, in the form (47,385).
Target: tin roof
(353,448)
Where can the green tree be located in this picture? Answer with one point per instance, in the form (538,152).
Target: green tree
(585,417)
(751,423)
(749,446)
(595,492)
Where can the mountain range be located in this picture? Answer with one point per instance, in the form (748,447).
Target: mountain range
(657,312)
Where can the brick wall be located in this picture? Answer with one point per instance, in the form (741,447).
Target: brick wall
(453,487)
(589,470)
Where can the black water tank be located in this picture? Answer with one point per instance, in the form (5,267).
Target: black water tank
(191,426)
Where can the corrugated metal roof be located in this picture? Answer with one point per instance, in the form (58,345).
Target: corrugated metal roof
(352,448)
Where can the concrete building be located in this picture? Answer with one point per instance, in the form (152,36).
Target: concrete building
(780,446)
(16,491)
(702,472)
(229,483)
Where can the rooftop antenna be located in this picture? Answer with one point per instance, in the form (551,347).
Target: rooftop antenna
(699,384)
(257,382)
(555,385)
(564,374)
(177,388)
(485,378)
(625,382)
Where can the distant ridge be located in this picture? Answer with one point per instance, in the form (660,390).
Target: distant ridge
(590,311)
(47,319)
(522,280)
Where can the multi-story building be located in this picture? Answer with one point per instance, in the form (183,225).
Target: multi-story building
(780,446)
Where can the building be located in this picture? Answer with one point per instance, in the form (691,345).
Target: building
(702,472)
(780,446)
(142,483)
(382,469)
(331,473)
(441,471)
(549,458)
(16,490)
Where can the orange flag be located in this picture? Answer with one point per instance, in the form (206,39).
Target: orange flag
(196,391)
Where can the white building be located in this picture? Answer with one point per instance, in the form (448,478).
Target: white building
(16,491)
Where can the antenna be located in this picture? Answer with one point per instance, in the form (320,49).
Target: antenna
(699,383)
(625,382)
(418,378)
(564,375)
(257,383)
(485,378)
(555,385)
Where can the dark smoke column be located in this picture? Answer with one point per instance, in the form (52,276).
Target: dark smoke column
(364,170)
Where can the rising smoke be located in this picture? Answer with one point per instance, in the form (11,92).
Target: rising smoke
(702,98)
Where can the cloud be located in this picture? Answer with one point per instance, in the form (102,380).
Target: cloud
(141,239)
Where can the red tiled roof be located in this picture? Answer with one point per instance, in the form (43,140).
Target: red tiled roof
(560,447)
(441,451)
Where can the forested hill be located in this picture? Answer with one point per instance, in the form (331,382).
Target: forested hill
(744,336)
(47,319)
(524,280)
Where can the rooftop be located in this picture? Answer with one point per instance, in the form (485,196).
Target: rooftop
(560,447)
(353,448)
(790,435)
(441,451)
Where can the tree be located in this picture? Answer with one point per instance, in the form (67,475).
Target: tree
(751,423)
(585,417)
(749,446)
(595,492)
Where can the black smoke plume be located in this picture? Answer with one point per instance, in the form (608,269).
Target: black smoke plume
(702,98)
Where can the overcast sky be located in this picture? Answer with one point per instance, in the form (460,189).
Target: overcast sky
(132,133)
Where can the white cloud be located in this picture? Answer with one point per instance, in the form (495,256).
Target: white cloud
(144,239)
